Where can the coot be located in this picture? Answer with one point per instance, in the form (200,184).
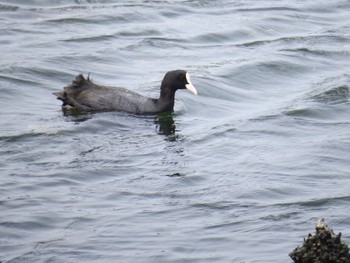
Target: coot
(86,95)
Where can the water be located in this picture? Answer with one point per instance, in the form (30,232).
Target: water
(239,173)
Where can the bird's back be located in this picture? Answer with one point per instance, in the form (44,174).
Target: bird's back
(84,94)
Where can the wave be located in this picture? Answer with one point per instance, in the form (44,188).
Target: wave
(332,90)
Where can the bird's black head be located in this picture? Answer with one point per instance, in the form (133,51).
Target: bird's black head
(177,79)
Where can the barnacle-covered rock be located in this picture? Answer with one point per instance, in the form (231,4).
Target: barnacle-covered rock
(322,247)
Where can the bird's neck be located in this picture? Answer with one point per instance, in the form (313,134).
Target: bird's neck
(166,99)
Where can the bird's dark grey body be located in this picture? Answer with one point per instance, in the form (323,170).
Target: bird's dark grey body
(84,94)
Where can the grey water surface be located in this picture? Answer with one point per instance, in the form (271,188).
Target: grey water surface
(239,173)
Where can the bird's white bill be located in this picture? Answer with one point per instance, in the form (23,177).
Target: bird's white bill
(189,86)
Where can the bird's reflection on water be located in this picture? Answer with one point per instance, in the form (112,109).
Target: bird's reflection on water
(76,115)
(164,122)
(165,125)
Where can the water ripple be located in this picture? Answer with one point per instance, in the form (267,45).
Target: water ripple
(256,158)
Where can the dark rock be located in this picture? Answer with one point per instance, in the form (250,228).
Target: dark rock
(322,247)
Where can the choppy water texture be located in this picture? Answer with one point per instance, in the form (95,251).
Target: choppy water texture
(239,173)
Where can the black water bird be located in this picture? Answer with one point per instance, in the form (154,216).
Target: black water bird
(86,95)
